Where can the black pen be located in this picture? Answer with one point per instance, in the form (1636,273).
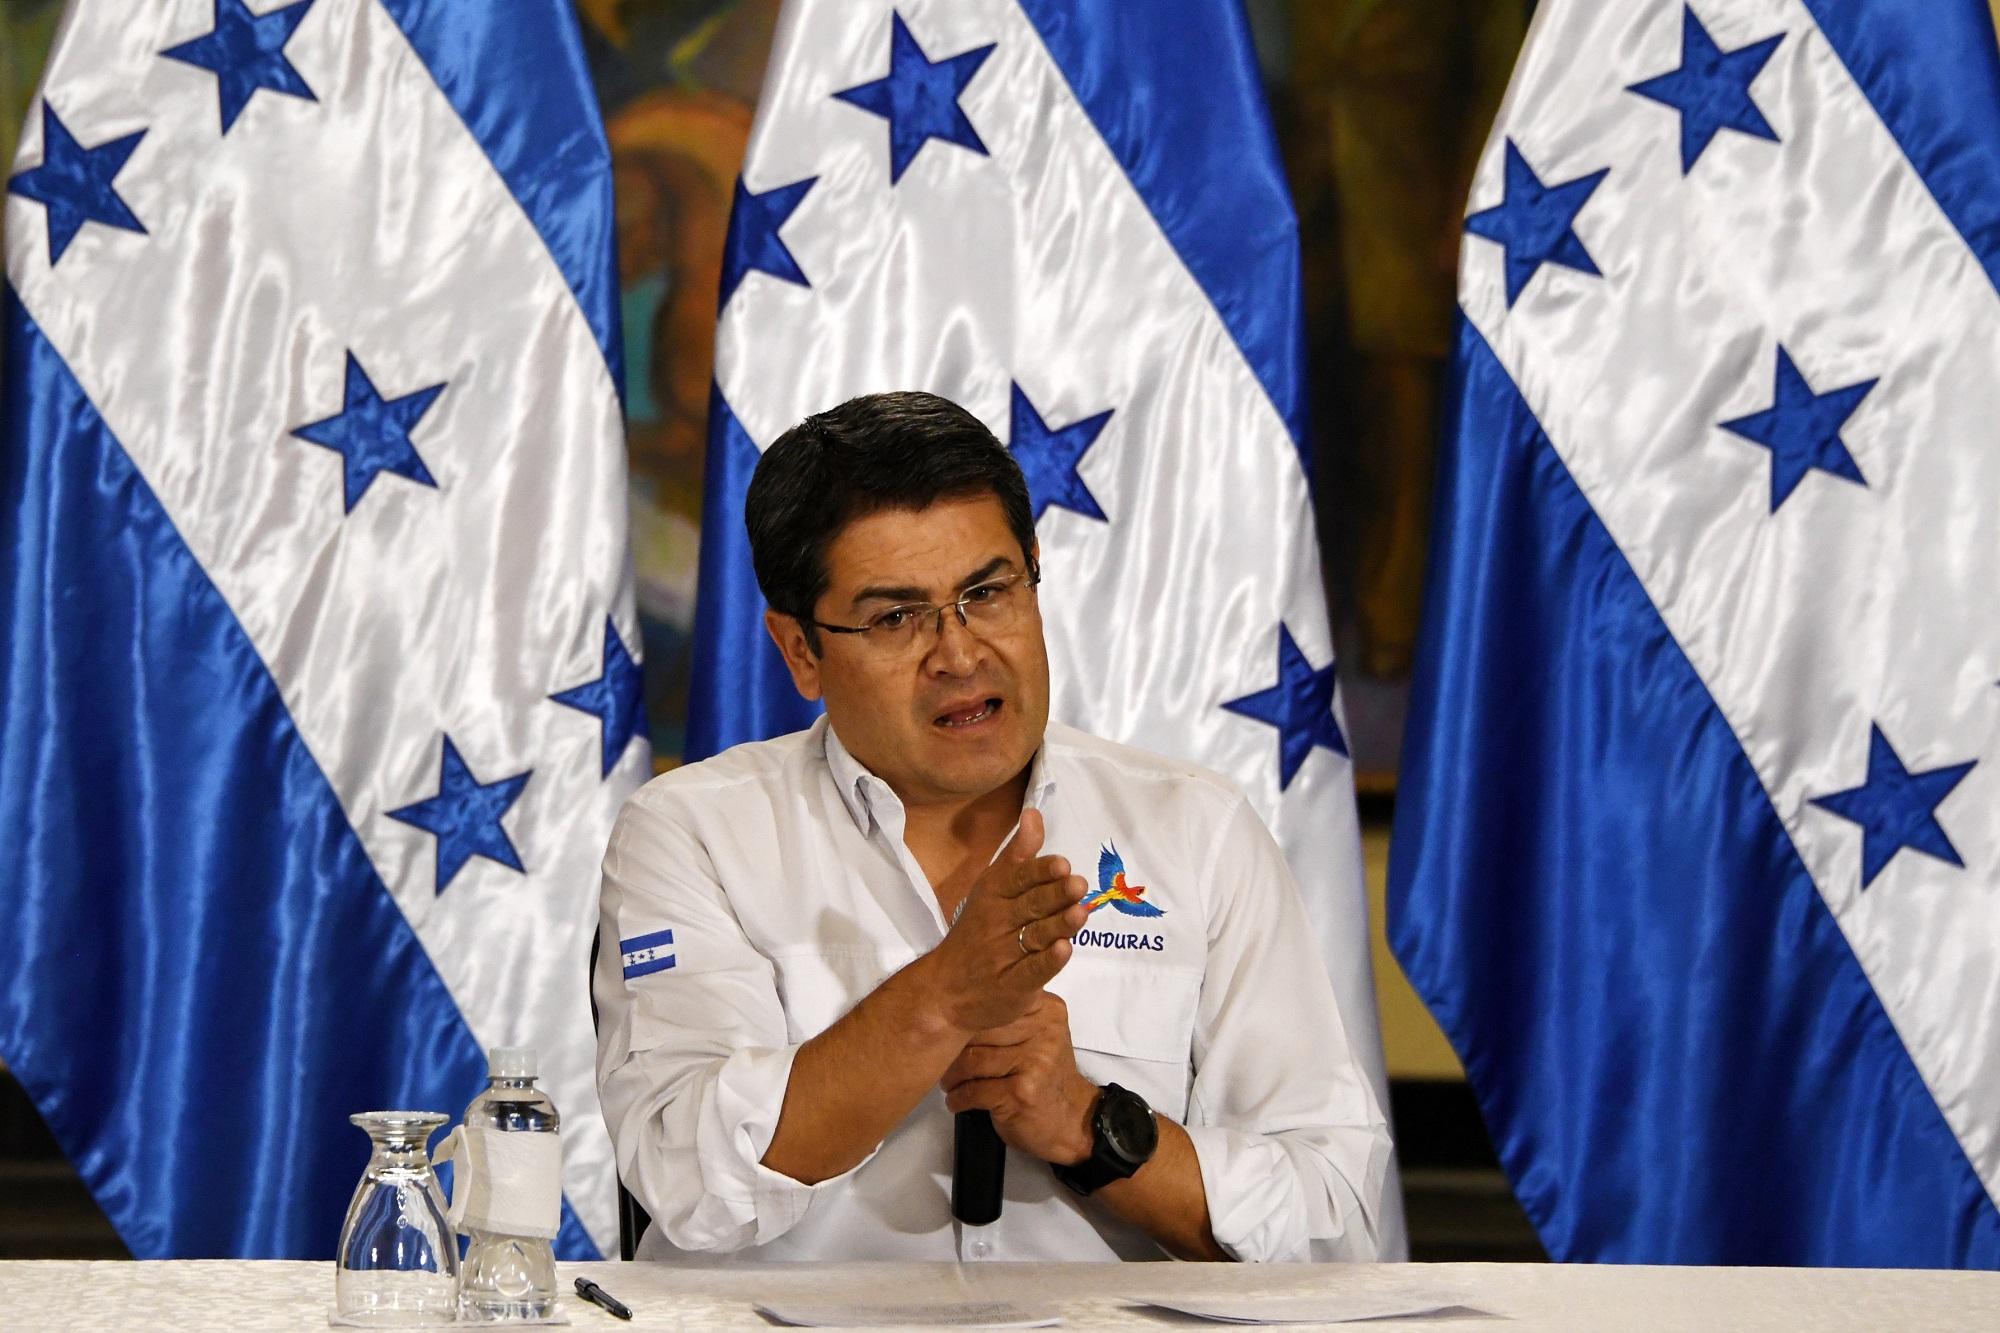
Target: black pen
(597,1295)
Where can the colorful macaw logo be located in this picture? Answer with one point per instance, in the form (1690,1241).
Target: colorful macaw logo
(1113,891)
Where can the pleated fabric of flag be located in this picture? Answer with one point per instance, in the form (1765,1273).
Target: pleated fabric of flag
(1697,858)
(1069,218)
(319,658)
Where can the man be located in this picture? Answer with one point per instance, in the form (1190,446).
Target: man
(934,900)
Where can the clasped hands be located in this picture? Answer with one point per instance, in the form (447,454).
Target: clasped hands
(1015,932)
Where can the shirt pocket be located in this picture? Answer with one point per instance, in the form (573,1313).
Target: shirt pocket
(1132,1023)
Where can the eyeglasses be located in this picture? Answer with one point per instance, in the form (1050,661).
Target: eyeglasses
(992,608)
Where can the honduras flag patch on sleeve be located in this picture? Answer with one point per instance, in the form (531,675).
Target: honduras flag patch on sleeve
(643,955)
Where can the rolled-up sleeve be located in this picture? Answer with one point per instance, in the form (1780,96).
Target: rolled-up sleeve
(692,1059)
(1294,1148)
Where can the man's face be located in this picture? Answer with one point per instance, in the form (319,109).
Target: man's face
(958,713)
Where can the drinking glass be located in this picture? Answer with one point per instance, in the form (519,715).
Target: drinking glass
(398,1260)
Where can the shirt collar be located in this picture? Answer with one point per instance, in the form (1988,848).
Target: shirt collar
(868,797)
(860,791)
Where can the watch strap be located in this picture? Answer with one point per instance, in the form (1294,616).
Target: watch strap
(1090,1175)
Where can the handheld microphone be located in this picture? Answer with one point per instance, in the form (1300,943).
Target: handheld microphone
(978,1168)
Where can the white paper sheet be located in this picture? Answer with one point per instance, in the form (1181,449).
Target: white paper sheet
(1332,1307)
(957,1314)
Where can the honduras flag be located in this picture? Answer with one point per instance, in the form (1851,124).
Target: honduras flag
(316,627)
(1698,853)
(1070,218)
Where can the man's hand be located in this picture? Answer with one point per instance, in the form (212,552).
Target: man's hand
(1025,1075)
(854,1082)
(1012,936)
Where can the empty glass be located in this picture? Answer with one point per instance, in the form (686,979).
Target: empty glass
(398,1260)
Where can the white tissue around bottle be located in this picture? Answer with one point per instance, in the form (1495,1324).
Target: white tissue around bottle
(508,1184)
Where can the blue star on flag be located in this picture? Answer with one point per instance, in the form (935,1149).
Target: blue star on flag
(1802,430)
(1534,223)
(465,817)
(372,434)
(754,243)
(616,698)
(1300,706)
(74,183)
(1711,89)
(1049,458)
(1896,808)
(919,98)
(245,52)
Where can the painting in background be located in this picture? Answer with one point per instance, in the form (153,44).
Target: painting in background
(678,82)
(26,28)
(1382,107)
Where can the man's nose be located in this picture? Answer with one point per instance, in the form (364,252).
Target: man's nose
(956,649)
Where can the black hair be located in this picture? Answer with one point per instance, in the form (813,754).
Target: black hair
(879,451)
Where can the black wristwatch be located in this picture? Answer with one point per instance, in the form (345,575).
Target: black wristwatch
(1123,1135)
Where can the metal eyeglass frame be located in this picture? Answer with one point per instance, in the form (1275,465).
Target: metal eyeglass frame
(935,610)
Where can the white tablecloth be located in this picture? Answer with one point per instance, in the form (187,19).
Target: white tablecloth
(122,1297)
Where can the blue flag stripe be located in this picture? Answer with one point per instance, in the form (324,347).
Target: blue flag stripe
(188,882)
(639,942)
(1198,147)
(739,689)
(1931,70)
(1679,1057)
(541,131)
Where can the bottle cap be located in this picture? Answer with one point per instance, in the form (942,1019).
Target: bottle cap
(510,1062)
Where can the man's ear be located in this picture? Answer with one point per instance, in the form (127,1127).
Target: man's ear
(800,660)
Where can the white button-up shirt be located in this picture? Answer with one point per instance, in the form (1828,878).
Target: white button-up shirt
(751,900)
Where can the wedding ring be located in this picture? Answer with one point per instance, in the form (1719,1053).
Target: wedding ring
(1021,938)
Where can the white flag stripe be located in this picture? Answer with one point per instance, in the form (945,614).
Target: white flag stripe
(398,623)
(1859,600)
(1041,264)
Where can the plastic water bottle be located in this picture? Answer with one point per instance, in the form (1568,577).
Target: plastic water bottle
(513,1141)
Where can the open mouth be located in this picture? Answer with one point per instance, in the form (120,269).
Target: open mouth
(970,715)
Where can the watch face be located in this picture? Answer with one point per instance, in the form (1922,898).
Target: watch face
(1129,1127)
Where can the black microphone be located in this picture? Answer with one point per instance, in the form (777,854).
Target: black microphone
(978,1168)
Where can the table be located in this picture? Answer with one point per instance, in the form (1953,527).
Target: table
(239,1294)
